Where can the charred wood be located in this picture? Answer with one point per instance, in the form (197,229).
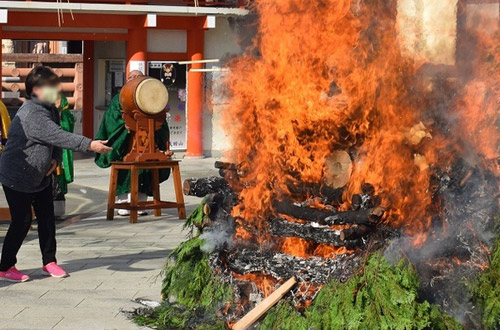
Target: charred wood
(203,186)
(282,266)
(229,175)
(354,232)
(368,189)
(327,217)
(356,202)
(212,203)
(313,232)
(332,195)
(227,166)
(215,202)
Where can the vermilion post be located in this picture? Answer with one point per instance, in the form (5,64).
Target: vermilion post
(137,49)
(1,36)
(88,89)
(195,47)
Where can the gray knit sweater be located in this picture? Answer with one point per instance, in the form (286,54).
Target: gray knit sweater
(35,138)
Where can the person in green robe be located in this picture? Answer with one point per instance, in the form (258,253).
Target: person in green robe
(64,172)
(113,130)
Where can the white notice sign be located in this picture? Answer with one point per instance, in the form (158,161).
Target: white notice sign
(138,65)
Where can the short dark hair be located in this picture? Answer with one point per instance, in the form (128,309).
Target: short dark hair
(40,76)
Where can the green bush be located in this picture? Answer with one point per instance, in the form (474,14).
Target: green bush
(380,296)
(487,291)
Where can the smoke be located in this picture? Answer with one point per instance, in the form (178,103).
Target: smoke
(219,235)
(457,245)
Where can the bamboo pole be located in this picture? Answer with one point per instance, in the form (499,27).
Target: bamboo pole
(264,305)
(210,70)
(199,61)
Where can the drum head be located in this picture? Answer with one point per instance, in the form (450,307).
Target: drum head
(151,96)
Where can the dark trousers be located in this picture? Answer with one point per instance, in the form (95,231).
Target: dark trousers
(20,210)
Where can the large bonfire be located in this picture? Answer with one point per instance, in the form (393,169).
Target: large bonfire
(327,77)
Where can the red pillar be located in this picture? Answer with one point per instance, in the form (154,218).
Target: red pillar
(88,89)
(1,62)
(195,48)
(137,49)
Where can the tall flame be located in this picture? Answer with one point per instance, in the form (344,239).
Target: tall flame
(329,75)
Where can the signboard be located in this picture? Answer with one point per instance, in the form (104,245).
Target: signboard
(173,76)
(137,65)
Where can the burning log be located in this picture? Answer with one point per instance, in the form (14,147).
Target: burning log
(332,195)
(214,202)
(356,231)
(356,201)
(264,305)
(204,186)
(327,217)
(229,175)
(317,233)
(282,266)
(227,166)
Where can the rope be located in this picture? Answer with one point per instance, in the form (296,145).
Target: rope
(196,5)
(60,13)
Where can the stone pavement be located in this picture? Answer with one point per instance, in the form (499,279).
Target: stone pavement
(110,262)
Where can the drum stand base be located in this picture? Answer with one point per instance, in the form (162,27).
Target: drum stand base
(157,204)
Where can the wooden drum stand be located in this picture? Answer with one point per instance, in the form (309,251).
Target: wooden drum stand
(143,101)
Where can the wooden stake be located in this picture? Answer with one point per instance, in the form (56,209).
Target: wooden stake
(210,70)
(264,305)
(216,60)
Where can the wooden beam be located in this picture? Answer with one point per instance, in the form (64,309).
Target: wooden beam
(20,35)
(46,19)
(42,58)
(167,56)
(101,21)
(264,305)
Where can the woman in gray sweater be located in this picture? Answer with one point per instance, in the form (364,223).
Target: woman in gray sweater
(32,153)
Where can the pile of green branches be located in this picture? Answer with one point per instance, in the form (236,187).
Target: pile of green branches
(192,293)
(379,296)
(487,288)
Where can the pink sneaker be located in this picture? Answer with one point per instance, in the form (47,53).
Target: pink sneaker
(54,270)
(13,275)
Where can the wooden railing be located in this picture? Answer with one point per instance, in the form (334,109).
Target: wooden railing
(69,68)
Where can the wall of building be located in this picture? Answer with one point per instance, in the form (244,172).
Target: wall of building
(221,43)
(428,29)
(104,50)
(167,41)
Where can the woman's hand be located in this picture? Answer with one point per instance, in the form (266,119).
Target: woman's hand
(99,146)
(53,166)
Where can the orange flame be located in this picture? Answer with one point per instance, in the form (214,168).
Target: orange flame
(329,75)
(265,283)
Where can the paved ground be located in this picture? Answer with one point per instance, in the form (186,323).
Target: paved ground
(111,262)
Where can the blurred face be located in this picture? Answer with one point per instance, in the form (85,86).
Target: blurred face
(134,74)
(48,94)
